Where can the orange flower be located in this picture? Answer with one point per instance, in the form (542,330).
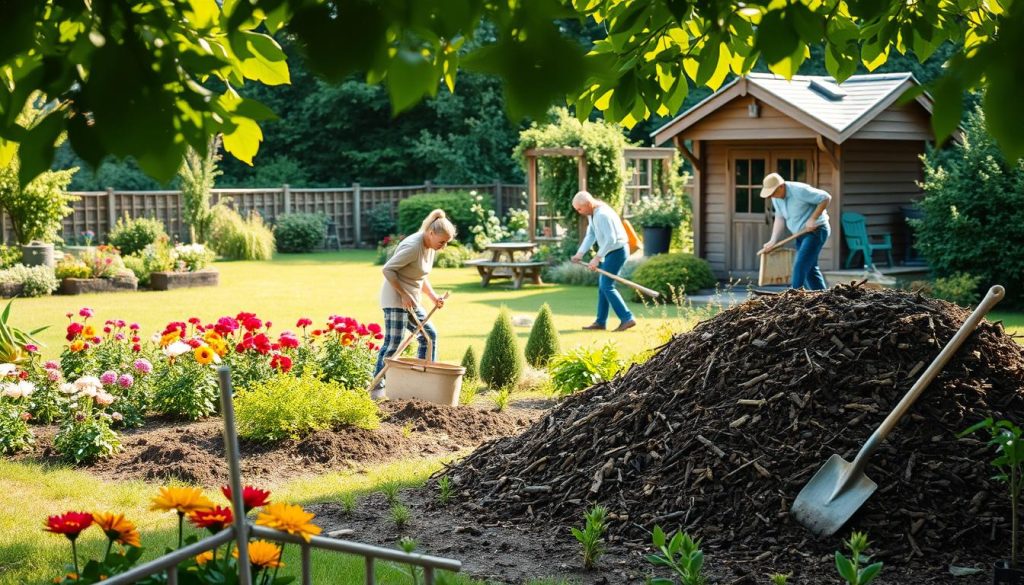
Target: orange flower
(89,331)
(169,338)
(288,518)
(212,335)
(218,346)
(204,354)
(182,499)
(117,528)
(77,346)
(263,554)
(204,557)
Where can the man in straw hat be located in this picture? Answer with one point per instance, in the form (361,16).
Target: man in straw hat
(800,208)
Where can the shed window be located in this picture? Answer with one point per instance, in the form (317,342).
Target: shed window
(792,169)
(749,175)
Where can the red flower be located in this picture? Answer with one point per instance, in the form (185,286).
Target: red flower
(134,326)
(194,320)
(214,519)
(193,343)
(379,336)
(281,362)
(374,328)
(107,329)
(73,330)
(288,340)
(70,524)
(226,326)
(251,497)
(304,322)
(136,348)
(316,333)
(85,312)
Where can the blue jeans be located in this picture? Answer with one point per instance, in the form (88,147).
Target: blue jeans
(806,273)
(607,295)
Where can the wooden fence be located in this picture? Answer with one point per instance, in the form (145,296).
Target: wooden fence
(98,211)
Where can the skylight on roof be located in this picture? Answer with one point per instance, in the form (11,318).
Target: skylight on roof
(828,89)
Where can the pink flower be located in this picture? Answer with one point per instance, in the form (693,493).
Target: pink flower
(304,322)
(108,377)
(119,323)
(134,326)
(97,340)
(119,337)
(117,416)
(125,380)
(31,347)
(288,340)
(104,399)
(107,330)
(142,365)
(51,365)
(54,375)
(85,312)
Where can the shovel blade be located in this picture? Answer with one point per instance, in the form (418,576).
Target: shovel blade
(823,511)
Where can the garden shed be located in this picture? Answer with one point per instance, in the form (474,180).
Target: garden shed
(857,140)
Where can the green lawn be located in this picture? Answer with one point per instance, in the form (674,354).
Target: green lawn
(344,283)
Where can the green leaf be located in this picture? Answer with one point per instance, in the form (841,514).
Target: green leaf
(845,568)
(948,106)
(810,25)
(354,38)
(266,62)
(36,151)
(658,536)
(203,13)
(839,64)
(709,61)
(790,65)
(410,77)
(776,38)
(17,27)
(868,573)
(244,141)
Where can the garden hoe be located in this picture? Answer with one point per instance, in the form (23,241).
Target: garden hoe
(405,343)
(840,488)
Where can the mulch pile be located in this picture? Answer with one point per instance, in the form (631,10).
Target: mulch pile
(719,431)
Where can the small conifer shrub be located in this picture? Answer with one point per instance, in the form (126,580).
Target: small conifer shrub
(502,363)
(543,342)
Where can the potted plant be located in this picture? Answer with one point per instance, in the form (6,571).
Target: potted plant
(1006,438)
(658,216)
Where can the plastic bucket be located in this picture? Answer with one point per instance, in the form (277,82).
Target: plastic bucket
(431,381)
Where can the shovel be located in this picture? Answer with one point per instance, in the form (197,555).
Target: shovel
(405,343)
(840,488)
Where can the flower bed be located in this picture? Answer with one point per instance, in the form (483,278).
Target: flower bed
(173,280)
(81,286)
(110,377)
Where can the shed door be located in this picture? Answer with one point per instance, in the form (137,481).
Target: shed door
(751,223)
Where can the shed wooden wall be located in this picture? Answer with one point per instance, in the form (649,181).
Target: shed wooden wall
(731,122)
(880,176)
(717,195)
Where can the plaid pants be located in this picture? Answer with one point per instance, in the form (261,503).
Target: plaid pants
(396,322)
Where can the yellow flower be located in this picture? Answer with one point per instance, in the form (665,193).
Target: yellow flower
(211,335)
(288,518)
(169,338)
(117,528)
(263,554)
(77,345)
(182,499)
(205,557)
(219,346)
(89,331)
(204,354)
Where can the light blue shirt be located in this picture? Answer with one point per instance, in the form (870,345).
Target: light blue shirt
(606,229)
(799,203)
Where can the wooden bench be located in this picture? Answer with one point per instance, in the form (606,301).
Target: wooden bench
(516,271)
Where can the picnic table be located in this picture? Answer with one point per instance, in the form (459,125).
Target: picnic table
(504,263)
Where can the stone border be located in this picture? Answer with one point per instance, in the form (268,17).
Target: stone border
(173,280)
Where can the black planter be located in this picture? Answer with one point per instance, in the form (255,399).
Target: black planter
(37,254)
(656,240)
(1003,574)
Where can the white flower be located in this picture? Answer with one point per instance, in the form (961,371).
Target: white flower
(11,390)
(103,399)
(68,388)
(26,387)
(177,348)
(7,369)
(88,385)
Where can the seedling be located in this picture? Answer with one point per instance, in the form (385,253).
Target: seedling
(1006,438)
(348,503)
(681,554)
(502,399)
(407,429)
(850,568)
(779,578)
(592,535)
(400,515)
(409,545)
(389,489)
(445,490)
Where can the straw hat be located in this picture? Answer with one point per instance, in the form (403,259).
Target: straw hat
(772,182)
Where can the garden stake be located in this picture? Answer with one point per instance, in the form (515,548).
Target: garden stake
(404,344)
(840,488)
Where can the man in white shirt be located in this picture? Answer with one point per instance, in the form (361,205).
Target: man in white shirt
(605,228)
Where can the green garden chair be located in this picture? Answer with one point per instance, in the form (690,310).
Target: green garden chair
(855,230)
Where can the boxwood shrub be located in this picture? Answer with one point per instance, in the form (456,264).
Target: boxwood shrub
(131,236)
(456,204)
(683,273)
(300,232)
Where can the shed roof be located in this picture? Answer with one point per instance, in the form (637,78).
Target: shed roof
(836,111)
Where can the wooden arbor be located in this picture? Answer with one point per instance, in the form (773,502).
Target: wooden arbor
(639,162)
(532,155)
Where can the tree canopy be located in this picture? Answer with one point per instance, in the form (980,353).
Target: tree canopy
(148,78)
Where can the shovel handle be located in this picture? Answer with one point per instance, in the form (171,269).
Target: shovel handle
(782,242)
(401,347)
(995,294)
